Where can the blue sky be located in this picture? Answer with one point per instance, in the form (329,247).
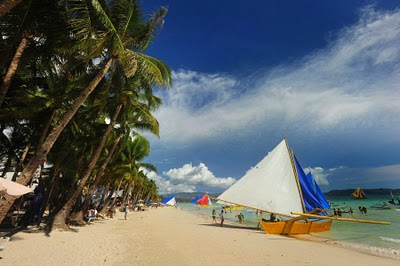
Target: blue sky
(325,74)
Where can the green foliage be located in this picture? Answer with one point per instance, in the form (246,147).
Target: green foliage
(69,41)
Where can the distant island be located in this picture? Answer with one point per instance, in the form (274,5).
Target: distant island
(369,192)
(189,196)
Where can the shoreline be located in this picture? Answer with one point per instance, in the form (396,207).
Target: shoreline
(362,248)
(169,236)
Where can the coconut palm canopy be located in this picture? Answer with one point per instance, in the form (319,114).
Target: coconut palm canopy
(78,86)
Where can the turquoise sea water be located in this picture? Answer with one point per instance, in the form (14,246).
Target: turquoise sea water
(382,240)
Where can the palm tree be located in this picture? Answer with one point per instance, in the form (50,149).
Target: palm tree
(114,42)
(97,179)
(130,157)
(7,5)
(36,26)
(156,71)
(149,68)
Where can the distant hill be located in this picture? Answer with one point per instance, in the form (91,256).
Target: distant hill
(369,192)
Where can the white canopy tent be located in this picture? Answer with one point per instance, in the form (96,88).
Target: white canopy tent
(13,188)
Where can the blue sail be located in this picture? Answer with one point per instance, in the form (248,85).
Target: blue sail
(323,201)
(167,199)
(310,191)
(194,201)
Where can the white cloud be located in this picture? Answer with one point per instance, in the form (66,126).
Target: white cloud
(319,174)
(353,83)
(166,187)
(197,175)
(188,178)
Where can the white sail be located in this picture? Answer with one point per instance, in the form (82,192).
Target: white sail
(270,185)
(171,202)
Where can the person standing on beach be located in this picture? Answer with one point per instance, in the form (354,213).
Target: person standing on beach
(214,213)
(221,216)
(240,216)
(126,210)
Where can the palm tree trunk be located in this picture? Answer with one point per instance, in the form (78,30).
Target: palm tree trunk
(21,161)
(79,215)
(105,191)
(48,193)
(125,193)
(41,153)
(116,192)
(61,217)
(12,68)
(7,5)
(46,128)
(108,200)
(5,205)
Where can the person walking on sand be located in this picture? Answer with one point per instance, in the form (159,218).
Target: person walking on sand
(221,216)
(214,214)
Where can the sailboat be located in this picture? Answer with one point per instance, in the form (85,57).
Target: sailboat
(204,202)
(359,194)
(169,201)
(279,186)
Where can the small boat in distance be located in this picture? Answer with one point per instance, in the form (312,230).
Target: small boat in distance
(359,194)
(204,202)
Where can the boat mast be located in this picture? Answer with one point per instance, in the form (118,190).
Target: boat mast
(291,155)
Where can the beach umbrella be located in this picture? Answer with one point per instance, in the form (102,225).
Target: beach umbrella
(13,188)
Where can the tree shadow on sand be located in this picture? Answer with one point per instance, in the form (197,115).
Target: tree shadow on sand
(233,226)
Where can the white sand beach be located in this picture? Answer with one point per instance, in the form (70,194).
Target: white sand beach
(169,236)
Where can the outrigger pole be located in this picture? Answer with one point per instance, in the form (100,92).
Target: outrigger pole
(340,219)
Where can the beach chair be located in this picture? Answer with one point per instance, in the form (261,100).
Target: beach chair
(3,241)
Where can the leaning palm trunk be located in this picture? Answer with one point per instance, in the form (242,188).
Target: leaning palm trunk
(126,193)
(61,217)
(21,161)
(49,192)
(103,197)
(7,5)
(107,201)
(42,151)
(111,200)
(80,214)
(137,196)
(46,128)
(12,69)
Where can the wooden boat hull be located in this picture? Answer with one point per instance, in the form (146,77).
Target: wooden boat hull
(295,227)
